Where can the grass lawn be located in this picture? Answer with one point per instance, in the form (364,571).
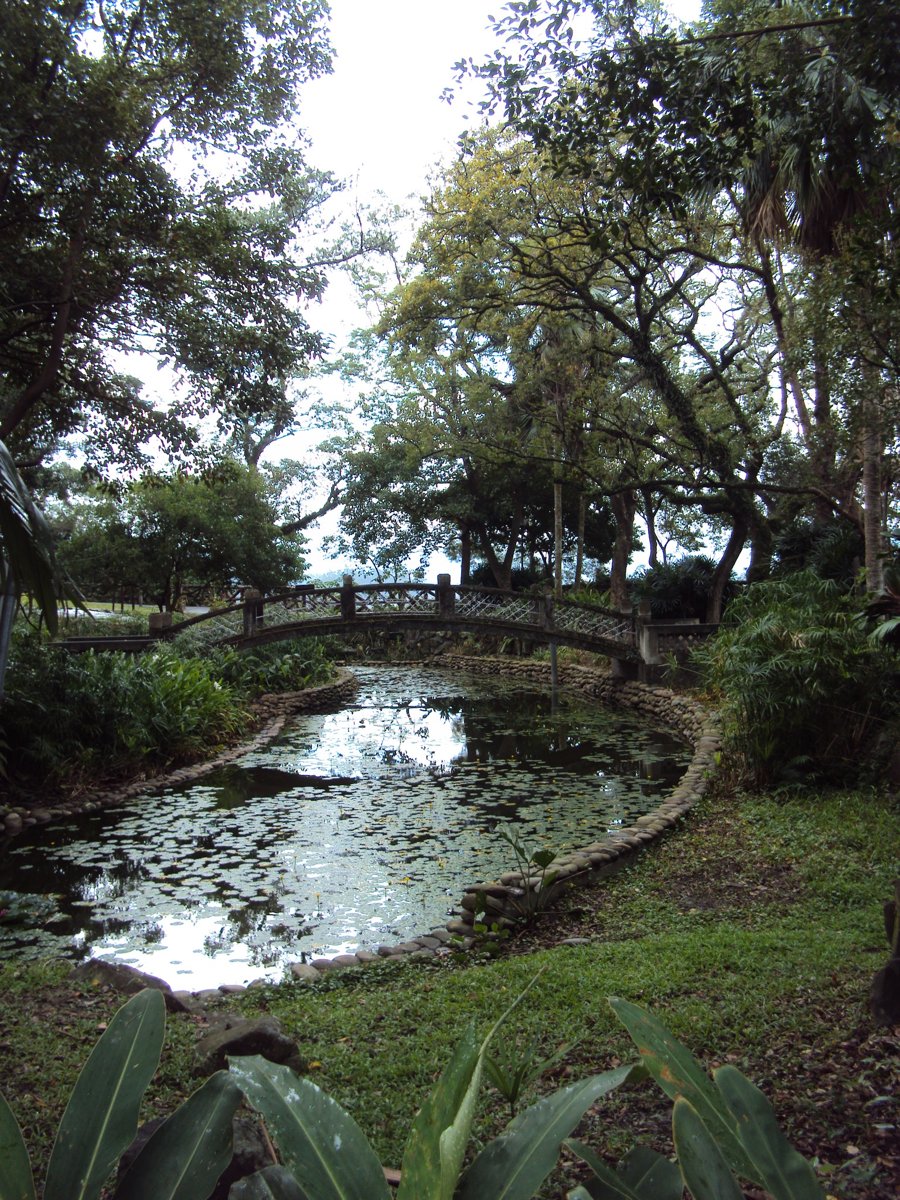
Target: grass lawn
(753,931)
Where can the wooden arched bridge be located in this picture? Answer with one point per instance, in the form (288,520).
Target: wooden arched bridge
(403,607)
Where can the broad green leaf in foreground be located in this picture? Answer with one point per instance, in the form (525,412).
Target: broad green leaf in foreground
(186,1155)
(101,1117)
(319,1141)
(642,1175)
(440,1132)
(16,1182)
(782,1170)
(679,1074)
(515,1164)
(705,1171)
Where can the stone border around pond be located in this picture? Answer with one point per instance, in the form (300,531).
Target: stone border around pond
(504,900)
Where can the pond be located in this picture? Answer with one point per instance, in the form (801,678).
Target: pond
(352,829)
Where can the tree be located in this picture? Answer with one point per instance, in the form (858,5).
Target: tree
(788,115)
(152,192)
(209,532)
(667,388)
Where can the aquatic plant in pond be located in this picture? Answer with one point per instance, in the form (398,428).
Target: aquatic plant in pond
(354,828)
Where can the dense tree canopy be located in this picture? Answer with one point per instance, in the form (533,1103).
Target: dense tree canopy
(168,534)
(154,195)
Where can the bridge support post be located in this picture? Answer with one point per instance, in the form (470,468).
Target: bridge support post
(624,668)
(254,611)
(159,621)
(446,599)
(348,599)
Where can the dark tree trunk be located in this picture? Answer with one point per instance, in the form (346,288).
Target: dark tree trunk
(624,508)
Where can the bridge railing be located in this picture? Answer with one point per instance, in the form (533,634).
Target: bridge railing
(354,601)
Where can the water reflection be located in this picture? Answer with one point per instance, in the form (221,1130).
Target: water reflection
(354,828)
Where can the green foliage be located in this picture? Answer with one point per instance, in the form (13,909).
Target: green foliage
(804,691)
(513,1068)
(101,712)
(107,243)
(274,666)
(329,1153)
(532,864)
(722,1129)
(68,713)
(832,550)
(211,530)
(680,588)
(183,1159)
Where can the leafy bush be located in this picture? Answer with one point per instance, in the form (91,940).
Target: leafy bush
(830,549)
(274,666)
(677,589)
(804,691)
(66,713)
(723,1129)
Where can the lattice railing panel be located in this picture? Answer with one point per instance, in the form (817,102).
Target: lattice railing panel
(216,627)
(396,599)
(319,603)
(591,621)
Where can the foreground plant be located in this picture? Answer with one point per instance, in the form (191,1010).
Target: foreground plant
(723,1130)
(183,1159)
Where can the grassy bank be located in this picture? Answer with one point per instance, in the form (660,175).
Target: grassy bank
(753,930)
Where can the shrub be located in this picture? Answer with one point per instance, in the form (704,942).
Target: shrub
(803,690)
(275,666)
(68,713)
(677,589)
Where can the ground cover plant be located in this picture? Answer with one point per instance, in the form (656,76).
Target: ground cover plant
(753,933)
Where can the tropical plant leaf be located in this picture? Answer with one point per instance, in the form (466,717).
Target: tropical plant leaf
(608,1184)
(186,1155)
(433,1157)
(441,1124)
(679,1074)
(16,1182)
(27,544)
(642,1175)
(651,1174)
(782,1170)
(514,1165)
(271,1183)
(705,1171)
(102,1114)
(319,1141)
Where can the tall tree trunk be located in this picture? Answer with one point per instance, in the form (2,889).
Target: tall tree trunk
(624,507)
(557,539)
(465,554)
(649,514)
(722,573)
(872,451)
(579,552)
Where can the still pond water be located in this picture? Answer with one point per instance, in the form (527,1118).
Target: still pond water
(354,828)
